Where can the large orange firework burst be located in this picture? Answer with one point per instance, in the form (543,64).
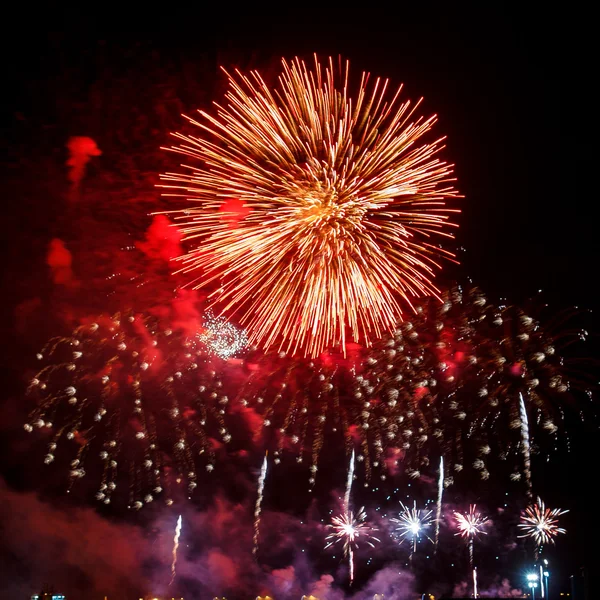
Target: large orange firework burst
(342,203)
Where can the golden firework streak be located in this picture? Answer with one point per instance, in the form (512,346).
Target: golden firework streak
(342,203)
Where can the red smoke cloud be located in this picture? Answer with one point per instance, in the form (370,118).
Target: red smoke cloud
(81,150)
(59,260)
(163,240)
(186,314)
(74,549)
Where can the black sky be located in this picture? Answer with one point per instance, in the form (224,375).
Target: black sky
(509,87)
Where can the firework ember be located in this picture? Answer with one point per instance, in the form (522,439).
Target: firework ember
(317,212)
(135,396)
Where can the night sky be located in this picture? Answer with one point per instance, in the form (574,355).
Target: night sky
(512,94)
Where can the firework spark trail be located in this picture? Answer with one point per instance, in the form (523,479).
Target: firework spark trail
(175,547)
(471,552)
(470,525)
(526,445)
(438,510)
(475,583)
(349,483)
(258,507)
(342,203)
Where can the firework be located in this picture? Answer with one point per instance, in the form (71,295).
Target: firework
(222,338)
(175,548)
(456,381)
(412,523)
(258,507)
(348,529)
(305,402)
(472,382)
(465,380)
(541,524)
(469,526)
(341,206)
(134,396)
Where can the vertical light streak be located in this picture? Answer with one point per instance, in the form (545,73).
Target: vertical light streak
(258,506)
(526,446)
(175,547)
(349,481)
(438,510)
(471,550)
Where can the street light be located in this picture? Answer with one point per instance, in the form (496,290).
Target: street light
(532,580)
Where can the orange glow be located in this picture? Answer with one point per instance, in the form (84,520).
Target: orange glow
(337,204)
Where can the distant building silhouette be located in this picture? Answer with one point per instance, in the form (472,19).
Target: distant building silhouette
(580,589)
